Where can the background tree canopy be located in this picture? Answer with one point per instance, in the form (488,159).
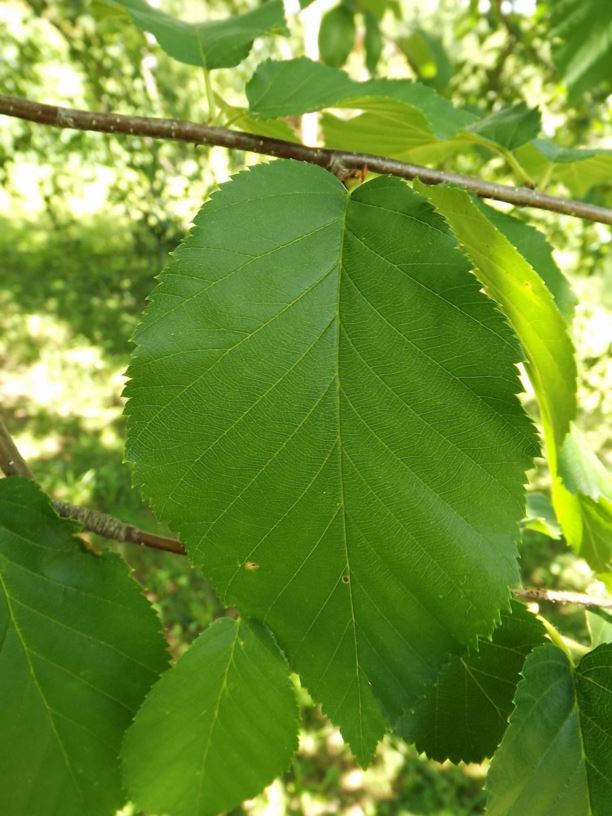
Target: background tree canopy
(87,221)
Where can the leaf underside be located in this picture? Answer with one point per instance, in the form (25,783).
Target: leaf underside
(319,393)
(79,649)
(217,727)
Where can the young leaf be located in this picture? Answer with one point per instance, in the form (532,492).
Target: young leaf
(216,728)
(336,36)
(556,756)
(299,86)
(511,280)
(80,647)
(464,714)
(318,393)
(213,44)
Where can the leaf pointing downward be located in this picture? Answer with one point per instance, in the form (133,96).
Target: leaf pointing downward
(319,392)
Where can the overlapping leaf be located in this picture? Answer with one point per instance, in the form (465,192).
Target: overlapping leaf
(217,727)
(578,169)
(79,648)
(509,127)
(211,44)
(463,715)
(556,756)
(318,393)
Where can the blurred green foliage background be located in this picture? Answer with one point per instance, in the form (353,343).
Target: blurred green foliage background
(87,221)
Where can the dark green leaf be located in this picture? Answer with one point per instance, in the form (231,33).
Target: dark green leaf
(212,44)
(216,728)
(336,36)
(582,43)
(509,127)
(464,714)
(315,399)
(80,648)
(556,756)
(372,42)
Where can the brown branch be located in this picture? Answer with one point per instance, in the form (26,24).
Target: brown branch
(337,161)
(561,596)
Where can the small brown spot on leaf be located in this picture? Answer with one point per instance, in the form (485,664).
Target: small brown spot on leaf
(345,579)
(251,565)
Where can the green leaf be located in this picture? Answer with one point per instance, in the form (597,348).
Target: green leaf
(509,127)
(80,647)
(372,42)
(299,86)
(464,714)
(216,728)
(582,43)
(524,297)
(211,44)
(600,625)
(336,36)
(536,250)
(540,516)
(556,756)
(427,57)
(316,397)
(577,169)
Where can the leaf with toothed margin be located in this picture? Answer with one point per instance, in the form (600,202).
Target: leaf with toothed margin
(319,391)
(463,715)
(217,727)
(556,756)
(79,649)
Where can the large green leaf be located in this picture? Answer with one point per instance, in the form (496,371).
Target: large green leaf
(212,44)
(216,728)
(79,649)
(299,86)
(526,300)
(319,390)
(463,715)
(556,756)
(582,42)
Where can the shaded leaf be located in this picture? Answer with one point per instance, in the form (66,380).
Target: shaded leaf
(540,516)
(510,127)
(582,43)
(464,713)
(578,169)
(336,36)
(212,44)
(319,488)
(556,756)
(80,647)
(217,727)
(372,42)
(428,57)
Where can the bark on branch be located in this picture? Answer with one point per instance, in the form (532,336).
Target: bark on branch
(337,161)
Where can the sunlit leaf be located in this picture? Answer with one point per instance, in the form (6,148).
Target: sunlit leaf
(80,647)
(216,728)
(315,400)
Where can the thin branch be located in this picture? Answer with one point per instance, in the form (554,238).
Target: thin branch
(337,161)
(561,596)
(11,461)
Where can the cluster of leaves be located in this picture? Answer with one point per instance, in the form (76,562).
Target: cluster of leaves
(323,403)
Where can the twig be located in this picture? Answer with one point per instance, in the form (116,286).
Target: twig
(11,461)
(333,160)
(561,596)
